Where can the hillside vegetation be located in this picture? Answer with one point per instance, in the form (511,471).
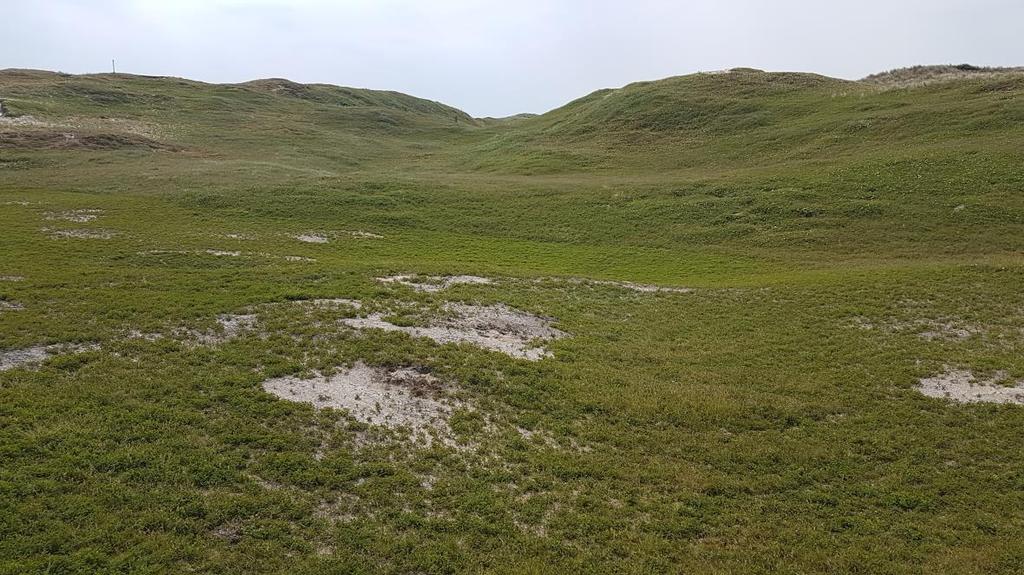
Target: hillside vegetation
(733,322)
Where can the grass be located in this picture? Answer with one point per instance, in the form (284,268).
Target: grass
(753,425)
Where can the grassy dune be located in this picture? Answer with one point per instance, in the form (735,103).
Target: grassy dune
(842,240)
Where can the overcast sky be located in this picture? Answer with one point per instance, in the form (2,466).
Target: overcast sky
(495,58)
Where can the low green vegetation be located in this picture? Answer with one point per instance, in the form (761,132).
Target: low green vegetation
(840,241)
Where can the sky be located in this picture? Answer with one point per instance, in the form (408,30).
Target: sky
(497,58)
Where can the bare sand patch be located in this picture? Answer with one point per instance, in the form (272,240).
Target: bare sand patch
(627,285)
(230,326)
(11,278)
(495,327)
(299,259)
(643,288)
(223,253)
(24,121)
(312,238)
(6,305)
(147,336)
(77,216)
(81,234)
(38,354)
(334,302)
(929,329)
(394,398)
(363,234)
(962,386)
(434,283)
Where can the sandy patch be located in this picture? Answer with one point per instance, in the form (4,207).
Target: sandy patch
(312,238)
(77,216)
(11,278)
(334,302)
(147,336)
(81,234)
(10,306)
(223,253)
(299,259)
(434,283)
(245,237)
(631,286)
(928,329)
(395,398)
(643,288)
(230,326)
(35,355)
(962,386)
(24,121)
(363,235)
(496,328)
(164,253)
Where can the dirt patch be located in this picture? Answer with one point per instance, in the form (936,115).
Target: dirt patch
(222,253)
(962,386)
(80,234)
(395,398)
(496,327)
(77,216)
(11,278)
(312,238)
(35,355)
(434,283)
(298,259)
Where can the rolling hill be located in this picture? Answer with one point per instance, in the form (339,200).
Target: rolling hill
(735,322)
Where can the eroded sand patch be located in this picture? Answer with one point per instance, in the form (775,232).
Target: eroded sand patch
(12,278)
(962,386)
(334,302)
(298,259)
(928,329)
(312,238)
(32,356)
(643,288)
(495,327)
(435,283)
(230,326)
(394,398)
(626,285)
(7,305)
(80,234)
(77,216)
(363,234)
(223,253)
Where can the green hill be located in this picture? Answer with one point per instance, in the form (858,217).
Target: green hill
(272,119)
(270,327)
(747,117)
